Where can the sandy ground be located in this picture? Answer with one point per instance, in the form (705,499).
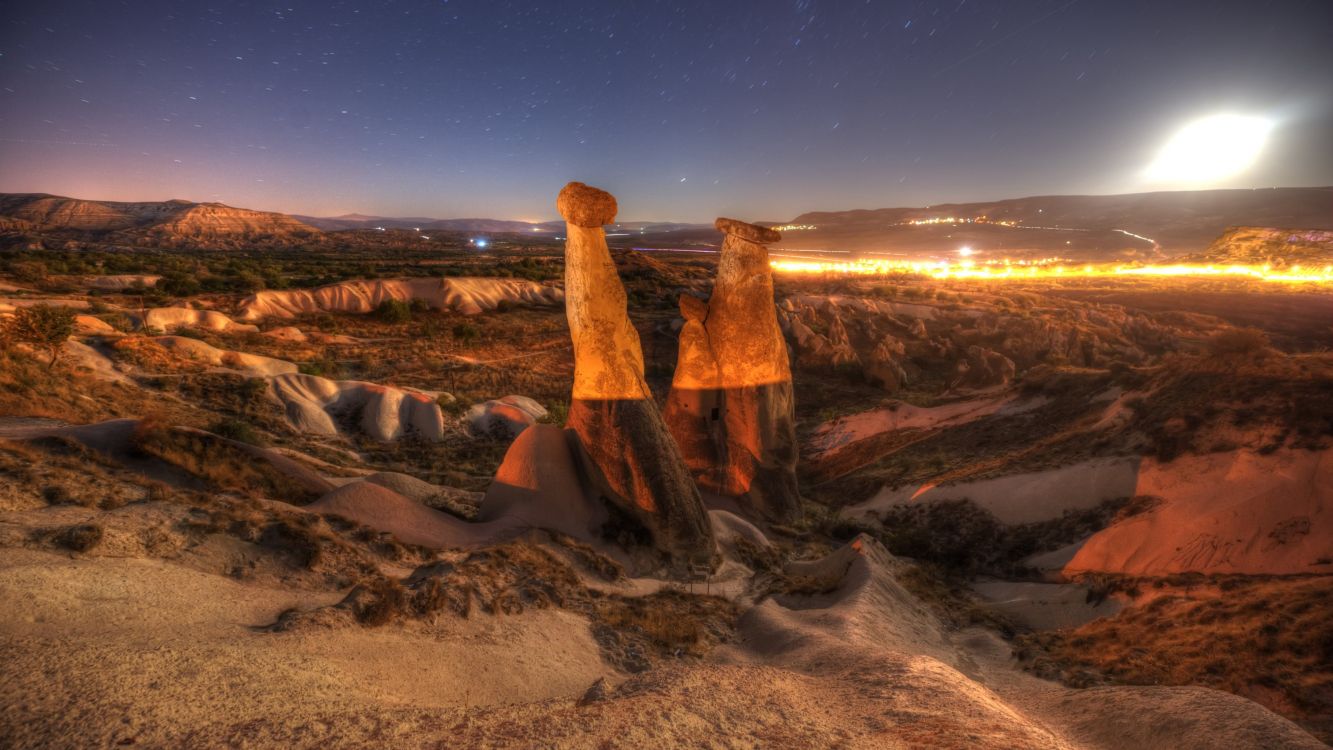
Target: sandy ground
(1024,498)
(1235,512)
(100,651)
(1044,606)
(145,644)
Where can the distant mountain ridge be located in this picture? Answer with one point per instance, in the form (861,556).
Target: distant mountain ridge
(173,220)
(1179,221)
(495,226)
(1138,226)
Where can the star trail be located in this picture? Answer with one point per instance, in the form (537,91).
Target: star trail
(686,110)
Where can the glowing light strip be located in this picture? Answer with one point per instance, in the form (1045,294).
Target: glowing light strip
(1002,270)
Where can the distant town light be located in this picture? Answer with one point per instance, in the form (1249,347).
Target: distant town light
(965,251)
(481,242)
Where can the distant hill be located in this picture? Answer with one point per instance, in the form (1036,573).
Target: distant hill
(488,226)
(167,222)
(362,221)
(1092,226)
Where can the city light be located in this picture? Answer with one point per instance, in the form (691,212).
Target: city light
(1002,270)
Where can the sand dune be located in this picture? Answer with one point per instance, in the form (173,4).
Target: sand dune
(465,295)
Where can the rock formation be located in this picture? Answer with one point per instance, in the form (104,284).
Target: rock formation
(626,450)
(316,405)
(205,354)
(983,368)
(504,417)
(468,296)
(168,319)
(731,407)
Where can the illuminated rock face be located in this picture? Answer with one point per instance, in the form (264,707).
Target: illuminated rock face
(627,452)
(731,407)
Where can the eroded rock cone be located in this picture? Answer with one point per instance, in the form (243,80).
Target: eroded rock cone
(626,449)
(731,407)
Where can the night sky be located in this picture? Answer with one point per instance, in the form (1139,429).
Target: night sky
(685,110)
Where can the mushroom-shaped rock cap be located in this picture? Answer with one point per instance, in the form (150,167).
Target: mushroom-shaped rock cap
(693,308)
(751,232)
(586,206)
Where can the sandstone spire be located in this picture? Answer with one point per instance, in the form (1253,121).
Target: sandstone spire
(731,407)
(626,449)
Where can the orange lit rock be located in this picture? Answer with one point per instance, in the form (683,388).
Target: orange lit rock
(731,407)
(626,450)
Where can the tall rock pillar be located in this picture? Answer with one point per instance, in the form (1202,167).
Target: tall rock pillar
(731,407)
(627,451)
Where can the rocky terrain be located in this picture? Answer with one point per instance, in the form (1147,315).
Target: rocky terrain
(585,497)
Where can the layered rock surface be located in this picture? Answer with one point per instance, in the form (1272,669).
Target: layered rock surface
(171,318)
(165,220)
(626,450)
(315,405)
(465,295)
(731,407)
(506,416)
(204,353)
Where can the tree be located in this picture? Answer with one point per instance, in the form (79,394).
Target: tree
(41,326)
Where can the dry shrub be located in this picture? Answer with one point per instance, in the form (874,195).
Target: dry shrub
(603,566)
(1270,640)
(218,462)
(512,578)
(78,537)
(670,623)
(376,603)
(758,557)
(1237,343)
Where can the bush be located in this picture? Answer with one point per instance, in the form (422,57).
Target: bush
(42,326)
(79,538)
(466,333)
(1237,342)
(394,311)
(238,430)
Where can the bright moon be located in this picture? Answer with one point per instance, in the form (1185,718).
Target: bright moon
(1211,149)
